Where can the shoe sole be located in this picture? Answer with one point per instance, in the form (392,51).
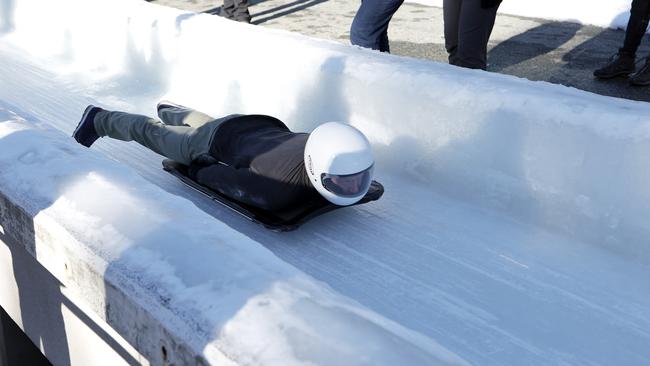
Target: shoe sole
(636,83)
(165,104)
(83,118)
(611,76)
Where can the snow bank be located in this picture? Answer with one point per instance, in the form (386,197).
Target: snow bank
(213,288)
(603,13)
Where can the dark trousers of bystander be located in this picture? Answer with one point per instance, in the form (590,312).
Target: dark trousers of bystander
(370,25)
(468,26)
(636,26)
(236,10)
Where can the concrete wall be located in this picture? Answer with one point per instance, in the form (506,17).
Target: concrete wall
(65,305)
(66,329)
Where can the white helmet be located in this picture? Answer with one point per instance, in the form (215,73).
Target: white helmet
(339,162)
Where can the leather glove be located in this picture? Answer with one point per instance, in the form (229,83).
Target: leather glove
(199,163)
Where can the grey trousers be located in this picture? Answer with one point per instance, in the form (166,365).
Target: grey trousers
(183,134)
(236,10)
(467,30)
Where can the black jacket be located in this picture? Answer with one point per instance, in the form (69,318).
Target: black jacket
(490,3)
(260,163)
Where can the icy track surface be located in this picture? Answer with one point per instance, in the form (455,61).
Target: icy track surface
(490,287)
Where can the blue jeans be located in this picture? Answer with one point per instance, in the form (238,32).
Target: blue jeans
(370,25)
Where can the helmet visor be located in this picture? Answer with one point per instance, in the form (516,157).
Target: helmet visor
(350,185)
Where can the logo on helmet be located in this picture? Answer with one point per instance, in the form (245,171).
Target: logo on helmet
(311,167)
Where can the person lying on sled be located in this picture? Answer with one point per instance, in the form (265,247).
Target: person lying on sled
(254,159)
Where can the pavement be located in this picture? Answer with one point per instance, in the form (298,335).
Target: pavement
(537,49)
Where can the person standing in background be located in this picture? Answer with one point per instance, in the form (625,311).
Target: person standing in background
(369,28)
(623,63)
(236,10)
(468,25)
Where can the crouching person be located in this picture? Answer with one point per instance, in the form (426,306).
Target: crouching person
(254,159)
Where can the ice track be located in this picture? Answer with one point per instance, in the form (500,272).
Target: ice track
(493,290)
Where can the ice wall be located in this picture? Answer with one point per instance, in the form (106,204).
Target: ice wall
(542,153)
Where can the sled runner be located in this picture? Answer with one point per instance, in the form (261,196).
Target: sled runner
(282,220)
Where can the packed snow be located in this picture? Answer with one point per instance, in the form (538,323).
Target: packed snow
(513,229)
(603,13)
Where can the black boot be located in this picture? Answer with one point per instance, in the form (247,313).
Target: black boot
(85,132)
(642,77)
(621,64)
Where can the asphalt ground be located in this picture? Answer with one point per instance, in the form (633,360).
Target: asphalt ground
(537,49)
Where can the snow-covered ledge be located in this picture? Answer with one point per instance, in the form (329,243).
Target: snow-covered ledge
(178,285)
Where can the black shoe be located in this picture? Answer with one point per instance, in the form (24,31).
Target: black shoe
(85,132)
(642,77)
(620,65)
(244,19)
(164,104)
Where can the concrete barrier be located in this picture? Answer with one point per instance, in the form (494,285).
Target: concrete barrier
(51,313)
